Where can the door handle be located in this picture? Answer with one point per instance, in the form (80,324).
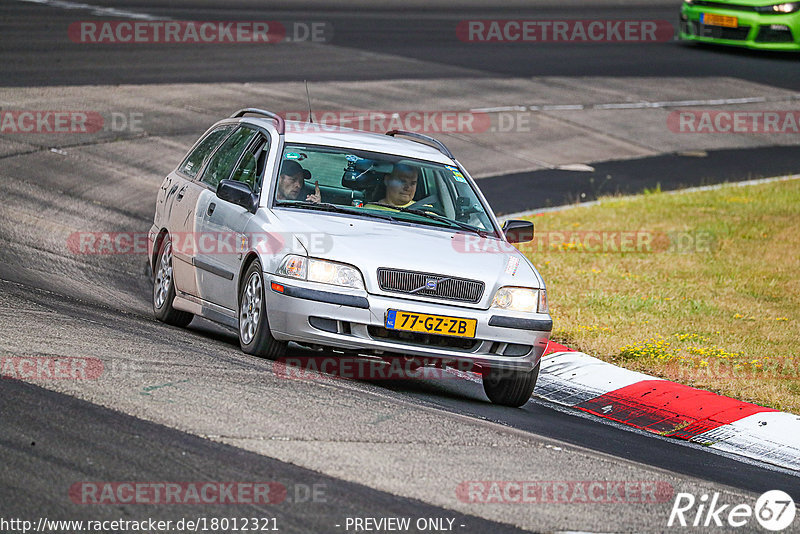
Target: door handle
(211,208)
(179,196)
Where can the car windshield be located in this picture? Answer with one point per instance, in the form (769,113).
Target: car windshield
(379,185)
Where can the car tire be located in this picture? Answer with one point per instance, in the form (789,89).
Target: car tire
(254,333)
(510,388)
(164,288)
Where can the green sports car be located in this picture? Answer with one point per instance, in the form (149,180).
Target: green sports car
(761,24)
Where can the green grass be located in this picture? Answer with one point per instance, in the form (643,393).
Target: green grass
(708,296)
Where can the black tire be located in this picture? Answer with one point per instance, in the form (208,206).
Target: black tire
(254,333)
(510,388)
(164,288)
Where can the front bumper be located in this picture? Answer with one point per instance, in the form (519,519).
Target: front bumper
(353,320)
(755,30)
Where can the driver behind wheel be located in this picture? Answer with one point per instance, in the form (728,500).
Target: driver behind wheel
(291,182)
(399,186)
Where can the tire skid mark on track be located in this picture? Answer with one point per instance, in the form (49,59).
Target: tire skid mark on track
(98,11)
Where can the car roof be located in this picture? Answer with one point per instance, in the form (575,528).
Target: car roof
(341,137)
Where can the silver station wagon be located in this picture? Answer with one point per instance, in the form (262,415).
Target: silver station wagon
(380,246)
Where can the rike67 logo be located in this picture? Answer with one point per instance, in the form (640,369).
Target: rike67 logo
(774,511)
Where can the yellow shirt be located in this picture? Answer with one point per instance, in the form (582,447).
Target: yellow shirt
(375,206)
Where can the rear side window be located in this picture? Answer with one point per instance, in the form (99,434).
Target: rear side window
(194,161)
(224,160)
(251,167)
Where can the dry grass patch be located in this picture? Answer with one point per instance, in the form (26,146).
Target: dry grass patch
(698,287)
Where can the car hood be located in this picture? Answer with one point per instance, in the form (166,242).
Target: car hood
(372,243)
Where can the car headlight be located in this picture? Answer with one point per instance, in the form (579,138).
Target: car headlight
(522,299)
(322,271)
(787,7)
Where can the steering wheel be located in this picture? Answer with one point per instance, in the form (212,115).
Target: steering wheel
(427,204)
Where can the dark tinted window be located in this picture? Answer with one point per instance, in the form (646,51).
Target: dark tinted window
(194,161)
(222,163)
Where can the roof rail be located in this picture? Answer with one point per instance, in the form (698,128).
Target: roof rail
(277,118)
(427,139)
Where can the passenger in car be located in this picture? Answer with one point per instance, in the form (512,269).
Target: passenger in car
(291,181)
(398,188)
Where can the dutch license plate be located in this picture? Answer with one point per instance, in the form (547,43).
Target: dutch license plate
(709,19)
(430,324)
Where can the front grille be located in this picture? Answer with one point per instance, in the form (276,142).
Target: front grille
(423,340)
(720,32)
(721,5)
(436,286)
(768,35)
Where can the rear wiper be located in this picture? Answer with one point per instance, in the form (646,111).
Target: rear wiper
(437,217)
(335,208)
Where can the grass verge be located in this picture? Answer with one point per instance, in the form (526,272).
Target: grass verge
(701,288)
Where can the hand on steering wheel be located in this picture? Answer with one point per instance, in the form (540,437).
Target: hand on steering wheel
(427,204)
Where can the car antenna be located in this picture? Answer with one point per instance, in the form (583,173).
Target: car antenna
(308,99)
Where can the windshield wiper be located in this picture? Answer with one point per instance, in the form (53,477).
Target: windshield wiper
(441,218)
(335,208)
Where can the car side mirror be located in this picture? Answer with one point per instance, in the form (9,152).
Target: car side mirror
(238,193)
(518,231)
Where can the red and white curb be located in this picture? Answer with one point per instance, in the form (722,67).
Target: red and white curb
(666,408)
